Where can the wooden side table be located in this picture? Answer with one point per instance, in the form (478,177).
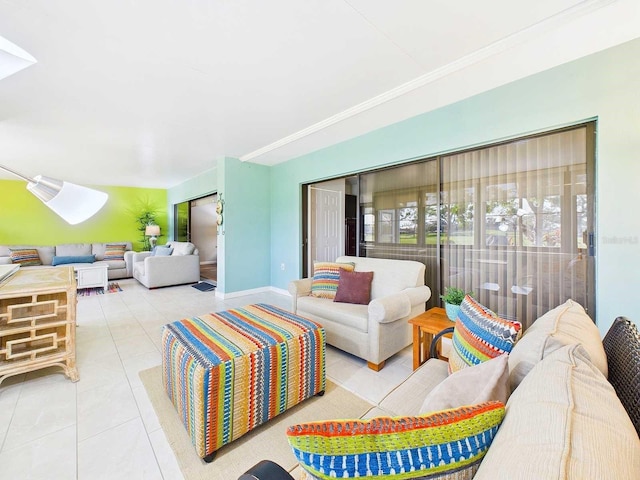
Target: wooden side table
(425,326)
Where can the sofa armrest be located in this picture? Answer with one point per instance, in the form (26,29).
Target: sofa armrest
(129,256)
(139,256)
(266,470)
(299,288)
(389,308)
(418,295)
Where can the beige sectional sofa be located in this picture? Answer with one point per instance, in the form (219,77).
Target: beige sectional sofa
(573,412)
(375,331)
(116,268)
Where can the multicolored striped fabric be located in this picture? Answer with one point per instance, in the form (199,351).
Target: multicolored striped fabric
(326,276)
(114,252)
(480,335)
(228,372)
(25,256)
(448,445)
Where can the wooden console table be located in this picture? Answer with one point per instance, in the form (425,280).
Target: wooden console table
(38,321)
(425,326)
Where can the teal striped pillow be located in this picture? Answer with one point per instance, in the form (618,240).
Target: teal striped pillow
(25,256)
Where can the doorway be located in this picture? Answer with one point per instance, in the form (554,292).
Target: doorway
(196,222)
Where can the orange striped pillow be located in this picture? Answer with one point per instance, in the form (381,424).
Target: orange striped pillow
(326,276)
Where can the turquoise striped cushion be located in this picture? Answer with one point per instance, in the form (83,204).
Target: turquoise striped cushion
(326,276)
(480,335)
(25,256)
(448,444)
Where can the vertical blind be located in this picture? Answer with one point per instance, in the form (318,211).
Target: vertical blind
(508,222)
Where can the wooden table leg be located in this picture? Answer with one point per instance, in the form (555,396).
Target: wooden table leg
(417,346)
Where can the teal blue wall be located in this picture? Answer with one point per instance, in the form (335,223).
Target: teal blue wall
(244,237)
(603,86)
(263,228)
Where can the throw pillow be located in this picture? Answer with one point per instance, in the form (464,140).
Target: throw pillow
(326,276)
(162,251)
(182,248)
(114,252)
(567,324)
(354,287)
(25,256)
(480,335)
(442,444)
(469,386)
(61,260)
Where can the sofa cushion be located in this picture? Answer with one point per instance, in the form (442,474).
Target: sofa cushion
(447,444)
(326,276)
(182,248)
(349,314)
(566,422)
(408,397)
(469,386)
(114,264)
(390,276)
(73,249)
(160,251)
(73,259)
(25,257)
(354,287)
(114,251)
(566,324)
(480,335)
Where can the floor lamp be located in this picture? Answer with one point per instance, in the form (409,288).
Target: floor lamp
(74,203)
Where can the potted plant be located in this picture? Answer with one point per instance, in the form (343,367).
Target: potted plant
(452,298)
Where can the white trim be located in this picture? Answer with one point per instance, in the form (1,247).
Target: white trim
(495,48)
(252,291)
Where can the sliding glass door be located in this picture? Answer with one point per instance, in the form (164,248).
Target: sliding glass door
(512,222)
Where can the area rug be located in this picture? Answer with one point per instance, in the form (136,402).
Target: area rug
(265,442)
(204,286)
(113,287)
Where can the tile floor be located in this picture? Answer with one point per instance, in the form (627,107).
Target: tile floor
(103,426)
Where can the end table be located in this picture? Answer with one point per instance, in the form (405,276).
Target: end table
(425,326)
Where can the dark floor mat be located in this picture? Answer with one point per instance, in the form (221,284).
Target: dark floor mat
(204,286)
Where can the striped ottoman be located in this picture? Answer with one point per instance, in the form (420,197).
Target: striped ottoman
(228,372)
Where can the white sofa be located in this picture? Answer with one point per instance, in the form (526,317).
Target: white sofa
(380,329)
(182,266)
(116,268)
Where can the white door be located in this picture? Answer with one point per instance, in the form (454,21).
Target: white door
(326,218)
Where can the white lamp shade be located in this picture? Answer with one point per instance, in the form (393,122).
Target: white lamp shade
(13,58)
(152,230)
(74,203)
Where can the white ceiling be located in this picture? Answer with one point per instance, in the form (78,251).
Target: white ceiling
(153,92)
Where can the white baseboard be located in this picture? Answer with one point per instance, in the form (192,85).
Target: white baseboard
(252,291)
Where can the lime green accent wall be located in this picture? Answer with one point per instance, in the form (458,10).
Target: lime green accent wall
(26,220)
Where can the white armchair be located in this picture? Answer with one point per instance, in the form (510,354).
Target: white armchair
(182,266)
(376,331)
